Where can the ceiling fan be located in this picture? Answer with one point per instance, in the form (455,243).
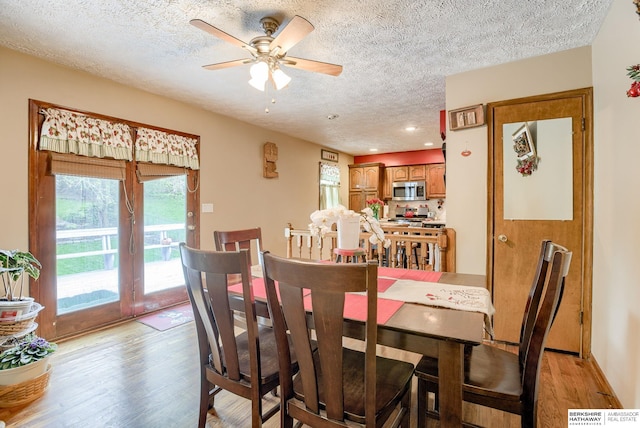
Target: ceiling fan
(269,53)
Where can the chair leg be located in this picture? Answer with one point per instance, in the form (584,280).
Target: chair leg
(406,404)
(206,403)
(423,403)
(423,399)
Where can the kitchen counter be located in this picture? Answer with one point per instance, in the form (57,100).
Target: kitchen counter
(417,220)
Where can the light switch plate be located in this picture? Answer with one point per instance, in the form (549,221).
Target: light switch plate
(207,208)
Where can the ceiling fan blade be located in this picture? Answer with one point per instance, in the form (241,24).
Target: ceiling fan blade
(221,34)
(291,34)
(227,64)
(311,65)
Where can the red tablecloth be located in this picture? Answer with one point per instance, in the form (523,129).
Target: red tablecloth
(355,304)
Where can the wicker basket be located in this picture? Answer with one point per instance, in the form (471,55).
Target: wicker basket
(25,392)
(15,326)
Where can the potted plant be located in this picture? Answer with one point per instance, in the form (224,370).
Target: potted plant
(14,264)
(26,360)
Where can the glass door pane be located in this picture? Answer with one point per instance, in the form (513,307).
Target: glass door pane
(86,242)
(165,211)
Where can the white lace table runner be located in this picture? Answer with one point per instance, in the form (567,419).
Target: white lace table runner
(460,297)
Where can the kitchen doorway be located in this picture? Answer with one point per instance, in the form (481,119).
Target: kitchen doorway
(540,187)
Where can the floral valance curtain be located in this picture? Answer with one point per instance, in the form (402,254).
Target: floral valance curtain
(329,174)
(168,149)
(68,132)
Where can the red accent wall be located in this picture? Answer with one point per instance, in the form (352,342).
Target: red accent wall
(416,157)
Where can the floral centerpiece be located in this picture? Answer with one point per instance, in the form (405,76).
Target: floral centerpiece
(323,220)
(376,205)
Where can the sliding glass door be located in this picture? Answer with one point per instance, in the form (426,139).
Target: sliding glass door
(107,234)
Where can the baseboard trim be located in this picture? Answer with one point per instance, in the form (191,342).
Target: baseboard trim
(602,379)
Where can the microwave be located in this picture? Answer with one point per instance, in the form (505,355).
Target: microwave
(409,191)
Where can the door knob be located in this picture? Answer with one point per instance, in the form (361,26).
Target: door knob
(502,238)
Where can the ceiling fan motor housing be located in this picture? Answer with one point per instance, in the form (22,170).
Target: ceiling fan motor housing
(270,25)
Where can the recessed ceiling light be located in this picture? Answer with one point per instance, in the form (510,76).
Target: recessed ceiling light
(373,150)
(428,143)
(410,128)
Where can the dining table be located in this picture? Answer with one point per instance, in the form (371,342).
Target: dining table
(414,325)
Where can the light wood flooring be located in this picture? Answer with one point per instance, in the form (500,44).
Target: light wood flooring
(134,376)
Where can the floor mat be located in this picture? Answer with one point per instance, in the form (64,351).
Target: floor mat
(169,318)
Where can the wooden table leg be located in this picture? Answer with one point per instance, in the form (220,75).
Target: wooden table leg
(450,373)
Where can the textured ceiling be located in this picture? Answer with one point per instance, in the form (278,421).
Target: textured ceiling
(395,53)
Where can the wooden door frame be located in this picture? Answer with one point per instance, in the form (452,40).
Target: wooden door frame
(587,170)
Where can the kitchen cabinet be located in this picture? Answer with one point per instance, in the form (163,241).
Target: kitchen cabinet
(406,173)
(387,192)
(358,200)
(435,181)
(399,173)
(365,182)
(417,172)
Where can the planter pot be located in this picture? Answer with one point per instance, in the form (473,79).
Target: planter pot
(15,308)
(24,373)
(348,233)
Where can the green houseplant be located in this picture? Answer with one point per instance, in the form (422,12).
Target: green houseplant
(14,264)
(25,360)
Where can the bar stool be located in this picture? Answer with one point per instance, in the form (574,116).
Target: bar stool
(353,256)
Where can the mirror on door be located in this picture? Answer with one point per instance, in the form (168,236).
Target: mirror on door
(538,170)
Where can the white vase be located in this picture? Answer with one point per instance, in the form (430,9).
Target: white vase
(24,373)
(348,233)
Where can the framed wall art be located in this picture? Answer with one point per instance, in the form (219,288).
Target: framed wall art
(466,117)
(522,143)
(328,155)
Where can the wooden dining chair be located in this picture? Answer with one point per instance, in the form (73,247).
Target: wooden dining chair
(335,386)
(245,364)
(235,240)
(501,379)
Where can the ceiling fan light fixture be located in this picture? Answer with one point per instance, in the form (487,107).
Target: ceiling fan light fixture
(258,84)
(260,70)
(259,75)
(280,79)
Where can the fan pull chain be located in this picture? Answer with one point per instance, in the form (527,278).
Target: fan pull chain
(266,94)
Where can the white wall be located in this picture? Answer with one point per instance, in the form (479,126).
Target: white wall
(616,247)
(231,152)
(467,176)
